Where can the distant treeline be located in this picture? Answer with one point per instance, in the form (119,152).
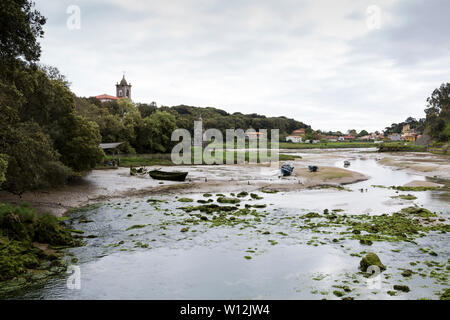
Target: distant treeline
(146,128)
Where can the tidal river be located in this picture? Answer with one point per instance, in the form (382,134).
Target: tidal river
(284,245)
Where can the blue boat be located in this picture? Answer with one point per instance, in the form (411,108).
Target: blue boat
(313,168)
(286,169)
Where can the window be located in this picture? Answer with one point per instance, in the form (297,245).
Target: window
(120,93)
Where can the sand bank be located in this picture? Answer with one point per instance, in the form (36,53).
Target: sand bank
(105,185)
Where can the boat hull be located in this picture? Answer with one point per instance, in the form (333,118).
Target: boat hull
(171,176)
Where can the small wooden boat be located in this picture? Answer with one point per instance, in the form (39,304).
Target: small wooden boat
(164,175)
(313,168)
(138,171)
(286,169)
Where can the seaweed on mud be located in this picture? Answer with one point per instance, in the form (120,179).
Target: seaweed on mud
(228,200)
(405,197)
(29,242)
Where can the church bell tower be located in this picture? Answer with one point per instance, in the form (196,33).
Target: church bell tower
(123,89)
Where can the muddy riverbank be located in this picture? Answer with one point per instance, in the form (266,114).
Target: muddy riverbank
(245,233)
(104,185)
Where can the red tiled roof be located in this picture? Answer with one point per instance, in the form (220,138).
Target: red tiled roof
(106,96)
(254,133)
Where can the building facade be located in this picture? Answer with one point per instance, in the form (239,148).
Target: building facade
(123,89)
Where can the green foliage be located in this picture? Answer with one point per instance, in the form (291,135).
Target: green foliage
(19,228)
(49,230)
(326,145)
(417,125)
(30,156)
(3,167)
(438,113)
(79,146)
(21,25)
(155,134)
(42,136)
(400,147)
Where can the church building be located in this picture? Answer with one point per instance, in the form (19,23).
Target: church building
(123,90)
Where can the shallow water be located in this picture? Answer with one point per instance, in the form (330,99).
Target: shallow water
(209,263)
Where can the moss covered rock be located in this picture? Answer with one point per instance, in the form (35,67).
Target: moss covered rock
(228,200)
(400,287)
(371,259)
(49,230)
(445,295)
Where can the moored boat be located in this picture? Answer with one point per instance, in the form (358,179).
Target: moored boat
(313,168)
(165,175)
(286,169)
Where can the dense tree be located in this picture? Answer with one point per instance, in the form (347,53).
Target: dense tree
(438,113)
(32,161)
(155,134)
(20,28)
(42,139)
(362,133)
(146,109)
(3,167)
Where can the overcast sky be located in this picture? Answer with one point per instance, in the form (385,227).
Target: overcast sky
(335,65)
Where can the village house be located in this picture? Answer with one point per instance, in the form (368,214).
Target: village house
(349,137)
(298,132)
(106,98)
(253,135)
(332,138)
(294,139)
(395,137)
(410,137)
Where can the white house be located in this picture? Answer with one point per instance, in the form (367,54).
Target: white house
(395,137)
(295,139)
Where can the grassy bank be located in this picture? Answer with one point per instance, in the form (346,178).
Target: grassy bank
(326,145)
(29,245)
(401,147)
(165,159)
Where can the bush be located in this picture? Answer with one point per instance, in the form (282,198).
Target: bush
(49,230)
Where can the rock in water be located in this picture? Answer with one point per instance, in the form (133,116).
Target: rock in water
(400,287)
(371,259)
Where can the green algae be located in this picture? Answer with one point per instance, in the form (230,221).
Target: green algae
(242,194)
(445,295)
(185,200)
(405,197)
(371,259)
(136,226)
(407,273)
(400,287)
(20,230)
(338,293)
(228,200)
(255,196)
(403,188)
(269,191)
